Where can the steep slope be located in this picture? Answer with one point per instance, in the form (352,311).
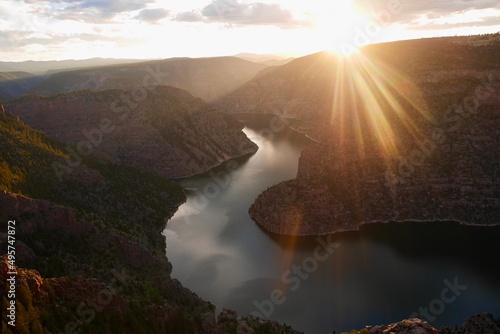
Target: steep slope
(96,234)
(162,130)
(407,132)
(206,78)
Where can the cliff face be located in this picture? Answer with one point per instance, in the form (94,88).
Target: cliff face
(164,130)
(406,132)
(206,78)
(37,217)
(104,272)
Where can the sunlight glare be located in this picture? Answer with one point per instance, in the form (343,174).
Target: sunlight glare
(368,97)
(337,23)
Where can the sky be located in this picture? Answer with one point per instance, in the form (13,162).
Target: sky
(154,29)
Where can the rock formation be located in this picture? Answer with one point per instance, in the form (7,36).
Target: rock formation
(480,323)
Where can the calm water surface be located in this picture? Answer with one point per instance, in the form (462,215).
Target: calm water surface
(382,274)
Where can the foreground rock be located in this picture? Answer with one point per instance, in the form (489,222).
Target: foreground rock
(481,323)
(410,326)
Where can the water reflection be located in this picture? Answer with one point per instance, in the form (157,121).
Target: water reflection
(381,274)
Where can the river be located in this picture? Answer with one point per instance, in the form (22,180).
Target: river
(444,272)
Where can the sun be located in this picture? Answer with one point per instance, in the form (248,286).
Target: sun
(337,25)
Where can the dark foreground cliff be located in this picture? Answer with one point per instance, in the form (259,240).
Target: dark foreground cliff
(88,250)
(408,131)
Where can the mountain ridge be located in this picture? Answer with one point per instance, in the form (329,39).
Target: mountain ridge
(206,78)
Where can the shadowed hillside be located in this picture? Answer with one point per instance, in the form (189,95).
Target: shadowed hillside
(16,84)
(165,130)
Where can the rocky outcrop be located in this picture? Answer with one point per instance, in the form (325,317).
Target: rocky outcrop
(164,131)
(410,326)
(406,142)
(480,323)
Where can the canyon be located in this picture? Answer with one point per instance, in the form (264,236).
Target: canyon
(402,132)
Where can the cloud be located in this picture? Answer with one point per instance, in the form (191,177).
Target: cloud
(11,39)
(412,12)
(237,13)
(152,15)
(97,11)
(192,16)
(25,38)
(475,18)
(425,15)
(74,28)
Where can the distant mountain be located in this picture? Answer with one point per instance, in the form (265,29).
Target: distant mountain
(42,67)
(6,76)
(405,131)
(18,78)
(277,62)
(163,130)
(270,60)
(206,78)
